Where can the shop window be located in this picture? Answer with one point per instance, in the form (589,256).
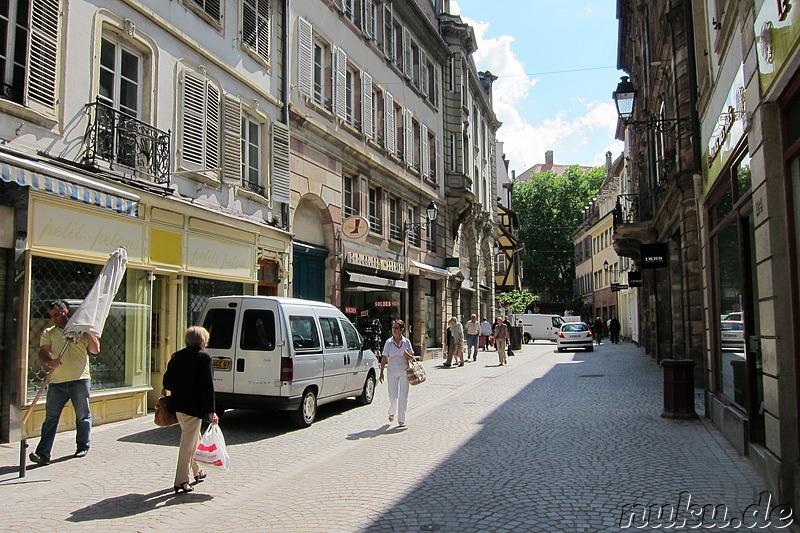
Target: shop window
(124,356)
(432,314)
(267,277)
(198,290)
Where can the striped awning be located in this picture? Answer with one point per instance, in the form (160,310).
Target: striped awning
(52,180)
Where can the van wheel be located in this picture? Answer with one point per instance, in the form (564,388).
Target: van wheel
(526,338)
(305,414)
(368,393)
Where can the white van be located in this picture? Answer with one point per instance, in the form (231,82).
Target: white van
(540,327)
(285,354)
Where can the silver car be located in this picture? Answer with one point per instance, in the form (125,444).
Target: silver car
(575,335)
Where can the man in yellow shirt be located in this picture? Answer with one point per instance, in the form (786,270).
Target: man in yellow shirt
(70,381)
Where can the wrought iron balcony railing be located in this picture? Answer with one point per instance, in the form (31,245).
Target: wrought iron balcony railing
(631,208)
(127,142)
(253,187)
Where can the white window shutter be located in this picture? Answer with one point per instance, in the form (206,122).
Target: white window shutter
(408,60)
(305,57)
(232,140)
(281,182)
(425,156)
(43,53)
(213,104)
(340,82)
(366,105)
(388,107)
(193,120)
(423,73)
(388,43)
(408,137)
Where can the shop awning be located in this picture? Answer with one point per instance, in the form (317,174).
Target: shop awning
(431,269)
(65,184)
(378,281)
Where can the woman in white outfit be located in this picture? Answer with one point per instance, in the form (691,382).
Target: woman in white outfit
(397,352)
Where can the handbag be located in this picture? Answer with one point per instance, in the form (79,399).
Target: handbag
(415,373)
(211,449)
(165,416)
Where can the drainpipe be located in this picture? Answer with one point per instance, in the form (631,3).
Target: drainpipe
(285,72)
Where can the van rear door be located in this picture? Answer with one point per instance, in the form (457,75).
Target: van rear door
(257,365)
(221,319)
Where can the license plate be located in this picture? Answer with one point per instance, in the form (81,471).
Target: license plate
(574,336)
(221,364)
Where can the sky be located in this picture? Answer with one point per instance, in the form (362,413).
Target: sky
(556,67)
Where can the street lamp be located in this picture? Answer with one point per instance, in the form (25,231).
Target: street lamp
(431,211)
(625,99)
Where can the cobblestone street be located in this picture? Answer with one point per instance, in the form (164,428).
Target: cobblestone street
(552,442)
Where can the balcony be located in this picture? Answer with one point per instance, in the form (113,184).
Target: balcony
(127,143)
(632,224)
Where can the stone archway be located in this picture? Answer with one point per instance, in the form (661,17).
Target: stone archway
(315,268)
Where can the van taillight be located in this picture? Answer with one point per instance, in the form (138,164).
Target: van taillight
(287,369)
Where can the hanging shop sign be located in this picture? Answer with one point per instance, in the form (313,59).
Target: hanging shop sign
(355,228)
(634,279)
(655,255)
(777,36)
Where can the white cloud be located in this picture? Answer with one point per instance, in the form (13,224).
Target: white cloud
(566,131)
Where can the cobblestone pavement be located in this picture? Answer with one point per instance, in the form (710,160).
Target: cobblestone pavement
(552,442)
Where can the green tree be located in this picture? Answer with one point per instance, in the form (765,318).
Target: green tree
(517,301)
(549,209)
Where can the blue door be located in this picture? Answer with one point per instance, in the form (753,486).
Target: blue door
(309,272)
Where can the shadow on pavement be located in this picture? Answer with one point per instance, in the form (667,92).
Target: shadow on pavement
(372,433)
(132,504)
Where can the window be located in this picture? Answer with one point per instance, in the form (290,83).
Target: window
(350,335)
(388,32)
(395,222)
(304,333)
(331,334)
(220,323)
(255,26)
(378,117)
(369,22)
(500,264)
(258,330)
(320,53)
(349,9)
(367,107)
(251,155)
(199,122)
(415,157)
(413,231)
(375,210)
(30,51)
(432,162)
(120,75)
(349,196)
(210,8)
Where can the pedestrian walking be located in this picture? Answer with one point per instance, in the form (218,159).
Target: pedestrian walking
(455,347)
(486,332)
(597,330)
(473,331)
(70,381)
(613,330)
(501,337)
(397,353)
(190,379)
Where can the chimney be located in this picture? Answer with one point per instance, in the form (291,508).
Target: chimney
(608,162)
(548,158)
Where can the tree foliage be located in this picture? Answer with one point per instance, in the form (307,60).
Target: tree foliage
(549,209)
(517,301)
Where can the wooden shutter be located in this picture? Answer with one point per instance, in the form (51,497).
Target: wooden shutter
(43,53)
(408,136)
(193,119)
(281,182)
(425,155)
(388,41)
(340,82)
(213,104)
(424,79)
(255,26)
(408,60)
(366,105)
(232,140)
(388,108)
(305,58)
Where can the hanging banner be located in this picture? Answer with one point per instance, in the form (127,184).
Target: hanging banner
(655,255)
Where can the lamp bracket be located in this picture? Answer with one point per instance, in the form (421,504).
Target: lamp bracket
(676,128)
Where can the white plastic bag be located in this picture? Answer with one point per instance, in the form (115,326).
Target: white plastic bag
(211,449)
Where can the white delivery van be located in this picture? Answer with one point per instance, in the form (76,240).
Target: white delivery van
(285,354)
(540,327)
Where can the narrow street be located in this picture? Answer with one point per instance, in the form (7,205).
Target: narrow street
(553,442)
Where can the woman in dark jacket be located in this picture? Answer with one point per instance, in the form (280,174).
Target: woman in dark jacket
(190,378)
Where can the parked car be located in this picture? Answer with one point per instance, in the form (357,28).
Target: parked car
(732,335)
(575,335)
(286,354)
